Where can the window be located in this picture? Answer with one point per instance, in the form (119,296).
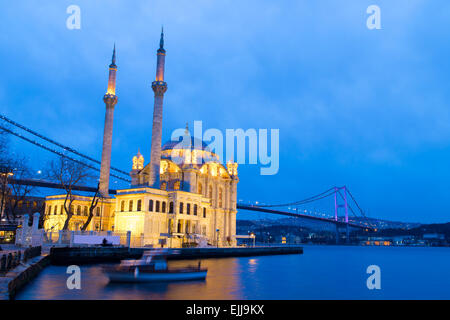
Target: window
(78,210)
(62,209)
(181,207)
(171,207)
(176,185)
(122,205)
(210,192)
(55,210)
(49,210)
(85,213)
(220,198)
(200,188)
(188,208)
(130,205)
(139,205)
(150,205)
(71,209)
(195,209)
(163,210)
(98,211)
(163,186)
(204,212)
(157,206)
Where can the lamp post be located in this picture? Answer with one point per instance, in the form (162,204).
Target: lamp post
(217,241)
(5,172)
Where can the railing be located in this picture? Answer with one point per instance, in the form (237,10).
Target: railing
(10,260)
(66,237)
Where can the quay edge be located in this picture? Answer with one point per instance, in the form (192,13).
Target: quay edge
(89,255)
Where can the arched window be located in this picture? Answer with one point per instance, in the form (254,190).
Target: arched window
(220,198)
(130,205)
(195,209)
(139,205)
(163,209)
(181,207)
(49,210)
(157,206)
(72,209)
(78,210)
(98,211)
(163,186)
(204,212)
(85,212)
(55,210)
(150,205)
(200,188)
(62,210)
(122,205)
(188,208)
(171,207)
(210,192)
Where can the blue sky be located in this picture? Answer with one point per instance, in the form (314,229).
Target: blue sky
(364,108)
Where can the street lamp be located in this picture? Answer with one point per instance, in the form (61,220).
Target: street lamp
(253,236)
(5,172)
(217,231)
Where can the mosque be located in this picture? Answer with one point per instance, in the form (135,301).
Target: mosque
(184,195)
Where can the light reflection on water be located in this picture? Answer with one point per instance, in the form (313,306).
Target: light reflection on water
(322,272)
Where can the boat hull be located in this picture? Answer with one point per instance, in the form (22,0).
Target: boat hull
(156,276)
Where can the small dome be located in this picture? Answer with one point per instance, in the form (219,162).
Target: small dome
(183,142)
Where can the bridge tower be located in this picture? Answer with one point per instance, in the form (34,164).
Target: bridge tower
(336,209)
(159,88)
(110,100)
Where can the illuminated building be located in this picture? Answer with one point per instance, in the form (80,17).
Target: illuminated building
(183,195)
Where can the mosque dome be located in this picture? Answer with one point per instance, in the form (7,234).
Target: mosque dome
(183,142)
(188,150)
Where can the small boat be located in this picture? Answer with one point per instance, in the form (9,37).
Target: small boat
(152,267)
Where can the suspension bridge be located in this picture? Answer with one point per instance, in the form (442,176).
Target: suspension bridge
(341,197)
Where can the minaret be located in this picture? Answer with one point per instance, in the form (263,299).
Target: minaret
(159,88)
(110,100)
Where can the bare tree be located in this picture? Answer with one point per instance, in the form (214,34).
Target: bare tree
(69,174)
(4,170)
(93,205)
(17,191)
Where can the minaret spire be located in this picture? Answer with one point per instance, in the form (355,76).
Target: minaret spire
(159,88)
(110,100)
(113,60)
(161,41)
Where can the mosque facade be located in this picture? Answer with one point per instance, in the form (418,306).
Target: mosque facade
(183,196)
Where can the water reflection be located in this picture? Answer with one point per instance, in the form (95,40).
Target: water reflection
(327,272)
(223,282)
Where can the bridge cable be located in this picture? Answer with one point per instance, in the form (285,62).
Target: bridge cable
(349,206)
(58,153)
(307,200)
(66,148)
